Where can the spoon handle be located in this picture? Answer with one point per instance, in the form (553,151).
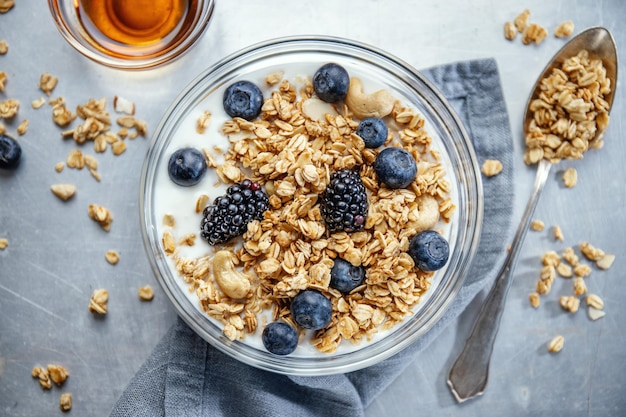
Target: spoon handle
(468,376)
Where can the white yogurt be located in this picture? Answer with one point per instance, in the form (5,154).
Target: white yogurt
(180,202)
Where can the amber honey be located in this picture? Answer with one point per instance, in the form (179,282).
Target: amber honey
(134,23)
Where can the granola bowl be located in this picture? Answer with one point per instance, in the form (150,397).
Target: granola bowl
(290,151)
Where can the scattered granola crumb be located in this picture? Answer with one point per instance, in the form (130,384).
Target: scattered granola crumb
(22,128)
(534,33)
(591,252)
(47,83)
(9,108)
(580,287)
(491,167)
(564,29)
(58,374)
(63,191)
(555,345)
(510,31)
(118,148)
(558,233)
(4,243)
(98,301)
(146,293)
(274,78)
(534,299)
(6,5)
(582,270)
(4,47)
(3,79)
(58,167)
(551,258)
(168,220)
(564,270)
(537,225)
(569,303)
(570,256)
(100,215)
(594,301)
(38,103)
(65,402)
(112,257)
(570,177)
(43,376)
(521,21)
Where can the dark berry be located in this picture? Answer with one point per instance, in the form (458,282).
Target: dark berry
(395,167)
(345,277)
(187,166)
(279,338)
(331,82)
(229,215)
(373,131)
(10,152)
(243,99)
(311,309)
(429,250)
(343,204)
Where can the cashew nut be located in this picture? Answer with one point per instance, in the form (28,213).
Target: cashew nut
(232,282)
(427,213)
(377,104)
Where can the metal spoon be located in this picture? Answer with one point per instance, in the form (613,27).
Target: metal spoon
(468,376)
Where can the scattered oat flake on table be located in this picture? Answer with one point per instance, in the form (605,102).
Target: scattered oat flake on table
(38,103)
(4,243)
(3,79)
(22,128)
(555,345)
(58,374)
(112,257)
(6,5)
(594,301)
(9,108)
(558,233)
(65,402)
(569,303)
(100,215)
(146,293)
(43,376)
(534,299)
(491,167)
(98,301)
(570,177)
(564,29)
(537,225)
(510,31)
(4,47)
(63,191)
(47,83)
(521,20)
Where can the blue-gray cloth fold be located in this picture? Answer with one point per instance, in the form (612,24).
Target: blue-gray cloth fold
(185,376)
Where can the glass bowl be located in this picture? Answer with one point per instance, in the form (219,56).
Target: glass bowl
(462,232)
(79,30)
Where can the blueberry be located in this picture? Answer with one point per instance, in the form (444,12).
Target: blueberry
(280,338)
(345,277)
(311,309)
(10,152)
(243,99)
(373,131)
(395,167)
(429,250)
(331,82)
(187,166)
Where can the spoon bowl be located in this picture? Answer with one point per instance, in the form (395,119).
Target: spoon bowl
(469,373)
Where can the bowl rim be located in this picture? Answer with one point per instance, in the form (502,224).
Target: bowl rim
(70,29)
(345,362)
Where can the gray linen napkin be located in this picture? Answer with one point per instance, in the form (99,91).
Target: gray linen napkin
(185,376)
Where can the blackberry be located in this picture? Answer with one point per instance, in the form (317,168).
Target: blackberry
(343,203)
(229,215)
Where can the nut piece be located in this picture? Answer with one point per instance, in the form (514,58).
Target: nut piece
(146,293)
(377,104)
(58,374)
(65,402)
(98,301)
(594,313)
(491,167)
(555,345)
(564,29)
(112,257)
(121,105)
(232,282)
(606,261)
(63,191)
(43,376)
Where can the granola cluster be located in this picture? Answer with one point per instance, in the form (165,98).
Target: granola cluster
(293,153)
(570,111)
